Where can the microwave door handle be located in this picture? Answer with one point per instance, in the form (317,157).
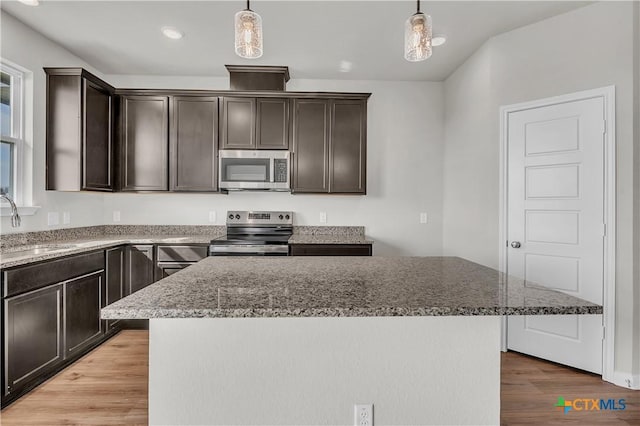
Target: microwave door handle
(272,163)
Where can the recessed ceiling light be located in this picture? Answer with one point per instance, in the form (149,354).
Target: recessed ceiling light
(438,40)
(172,33)
(30,2)
(345,66)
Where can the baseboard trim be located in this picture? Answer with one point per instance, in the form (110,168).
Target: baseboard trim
(626,380)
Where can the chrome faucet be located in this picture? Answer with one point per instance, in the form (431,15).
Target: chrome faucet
(15,217)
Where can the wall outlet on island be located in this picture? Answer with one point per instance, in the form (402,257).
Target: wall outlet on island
(323,217)
(66,218)
(363,415)
(116,215)
(212,216)
(423,218)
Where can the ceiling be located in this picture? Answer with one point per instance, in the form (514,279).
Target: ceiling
(311,37)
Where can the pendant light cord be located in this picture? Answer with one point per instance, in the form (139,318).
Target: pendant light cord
(418,1)
(248,8)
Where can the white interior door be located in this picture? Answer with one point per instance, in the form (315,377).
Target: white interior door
(556,224)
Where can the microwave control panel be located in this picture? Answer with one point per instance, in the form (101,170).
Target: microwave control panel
(280,170)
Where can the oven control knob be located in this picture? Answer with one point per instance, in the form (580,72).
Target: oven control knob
(287,217)
(238,216)
(280,217)
(230,216)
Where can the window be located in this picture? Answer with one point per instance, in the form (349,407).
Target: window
(11,130)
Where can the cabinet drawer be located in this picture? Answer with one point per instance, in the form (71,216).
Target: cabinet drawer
(31,277)
(182,253)
(330,250)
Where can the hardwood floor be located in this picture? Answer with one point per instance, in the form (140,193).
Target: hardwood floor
(109,386)
(530,388)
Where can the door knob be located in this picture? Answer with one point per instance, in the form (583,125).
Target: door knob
(515,244)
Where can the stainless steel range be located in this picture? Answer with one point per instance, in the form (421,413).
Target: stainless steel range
(255,234)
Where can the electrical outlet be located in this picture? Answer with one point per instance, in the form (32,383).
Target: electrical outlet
(116,215)
(363,415)
(423,218)
(53,218)
(212,216)
(66,218)
(323,217)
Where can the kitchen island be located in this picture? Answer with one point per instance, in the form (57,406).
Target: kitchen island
(301,340)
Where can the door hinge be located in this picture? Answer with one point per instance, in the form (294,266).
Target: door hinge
(604,126)
(604,229)
(604,330)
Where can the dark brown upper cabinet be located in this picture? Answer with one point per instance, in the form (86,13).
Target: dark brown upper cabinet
(144,143)
(194,143)
(310,145)
(329,146)
(255,123)
(238,123)
(272,123)
(79,141)
(348,147)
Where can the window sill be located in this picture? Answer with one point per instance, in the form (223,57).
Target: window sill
(22,211)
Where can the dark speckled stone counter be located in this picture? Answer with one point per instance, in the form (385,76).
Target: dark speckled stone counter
(341,287)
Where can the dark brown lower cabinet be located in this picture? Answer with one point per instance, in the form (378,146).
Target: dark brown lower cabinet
(172,258)
(51,318)
(139,266)
(114,267)
(330,250)
(83,299)
(33,334)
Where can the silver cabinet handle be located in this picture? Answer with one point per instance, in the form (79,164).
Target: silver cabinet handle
(515,244)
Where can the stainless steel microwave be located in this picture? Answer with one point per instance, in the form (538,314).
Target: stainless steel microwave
(265,170)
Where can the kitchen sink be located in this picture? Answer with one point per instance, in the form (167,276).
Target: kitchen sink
(37,249)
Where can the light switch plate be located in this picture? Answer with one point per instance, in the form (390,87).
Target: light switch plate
(66,218)
(116,215)
(53,218)
(423,218)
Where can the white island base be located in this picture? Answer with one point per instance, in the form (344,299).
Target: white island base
(299,371)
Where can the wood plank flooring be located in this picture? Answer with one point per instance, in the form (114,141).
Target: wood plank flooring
(109,386)
(530,388)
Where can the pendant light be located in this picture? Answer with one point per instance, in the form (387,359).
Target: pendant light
(248,40)
(417,36)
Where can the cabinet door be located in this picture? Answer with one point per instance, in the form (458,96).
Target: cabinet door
(272,123)
(310,145)
(348,154)
(145,143)
(115,274)
(83,299)
(97,138)
(33,336)
(238,123)
(139,266)
(330,250)
(194,143)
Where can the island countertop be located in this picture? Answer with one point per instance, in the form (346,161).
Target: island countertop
(218,287)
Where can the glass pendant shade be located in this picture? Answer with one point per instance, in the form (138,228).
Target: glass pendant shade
(248,38)
(417,37)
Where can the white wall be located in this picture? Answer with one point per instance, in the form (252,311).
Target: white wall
(414,370)
(25,47)
(404,161)
(559,55)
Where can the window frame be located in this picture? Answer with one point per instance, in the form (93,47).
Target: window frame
(17,138)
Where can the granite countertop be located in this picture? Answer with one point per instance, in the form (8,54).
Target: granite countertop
(17,249)
(341,286)
(22,255)
(329,239)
